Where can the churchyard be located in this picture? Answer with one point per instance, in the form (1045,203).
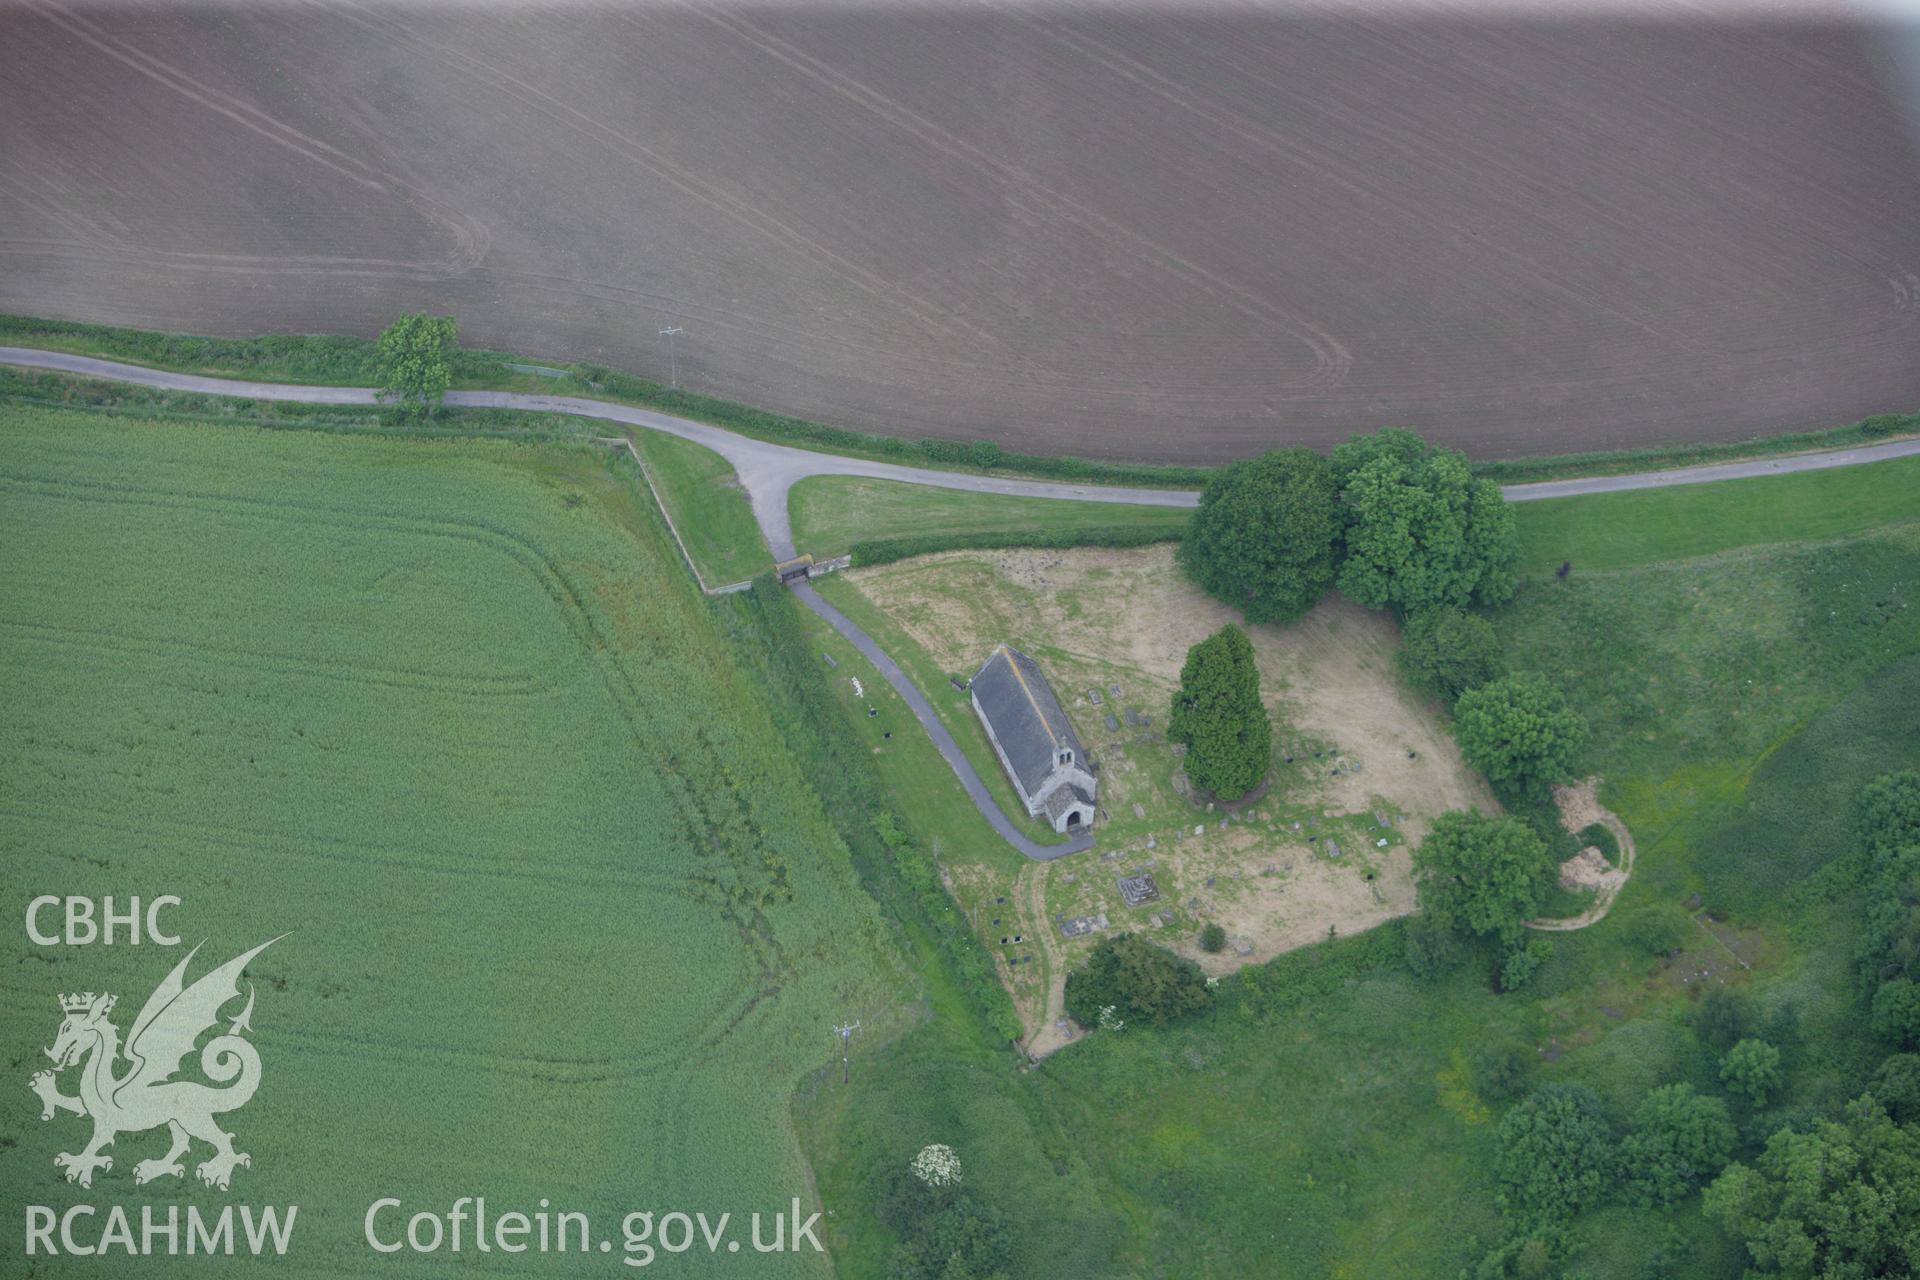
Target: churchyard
(1361,764)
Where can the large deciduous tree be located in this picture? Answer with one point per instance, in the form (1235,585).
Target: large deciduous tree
(416,362)
(1840,1200)
(1419,529)
(1896,1013)
(1680,1139)
(1140,982)
(1558,1153)
(1896,1086)
(1519,730)
(1888,812)
(1218,714)
(1263,538)
(1889,824)
(1446,651)
(1482,875)
(1751,1070)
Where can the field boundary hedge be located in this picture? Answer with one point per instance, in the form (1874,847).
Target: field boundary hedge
(893,867)
(67,391)
(872,551)
(1874,430)
(341,360)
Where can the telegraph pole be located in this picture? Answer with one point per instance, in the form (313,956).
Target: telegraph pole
(673,357)
(846,1035)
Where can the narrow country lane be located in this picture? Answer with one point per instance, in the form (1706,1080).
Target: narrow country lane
(769,471)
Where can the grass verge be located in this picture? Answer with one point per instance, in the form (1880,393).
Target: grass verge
(1874,430)
(336,360)
(344,361)
(1620,530)
(708,507)
(882,520)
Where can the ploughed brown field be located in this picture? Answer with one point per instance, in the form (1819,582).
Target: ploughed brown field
(1179,235)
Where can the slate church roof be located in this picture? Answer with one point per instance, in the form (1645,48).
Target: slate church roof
(1063,799)
(1026,717)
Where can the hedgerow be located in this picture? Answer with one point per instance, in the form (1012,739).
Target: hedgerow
(1880,426)
(874,551)
(294,357)
(56,390)
(892,865)
(342,360)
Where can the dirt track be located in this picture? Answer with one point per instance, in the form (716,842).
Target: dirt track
(1102,231)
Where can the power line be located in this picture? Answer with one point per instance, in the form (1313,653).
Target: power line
(846,1036)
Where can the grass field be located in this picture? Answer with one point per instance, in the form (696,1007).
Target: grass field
(831,513)
(708,507)
(1618,530)
(567,920)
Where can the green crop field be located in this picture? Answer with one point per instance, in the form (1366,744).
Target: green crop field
(708,507)
(832,513)
(565,919)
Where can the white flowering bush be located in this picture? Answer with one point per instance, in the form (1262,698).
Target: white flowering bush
(1110,1019)
(936,1165)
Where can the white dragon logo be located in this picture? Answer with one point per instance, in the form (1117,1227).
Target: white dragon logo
(174,1016)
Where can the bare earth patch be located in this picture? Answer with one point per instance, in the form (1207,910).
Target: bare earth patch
(1061,227)
(1580,808)
(1371,765)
